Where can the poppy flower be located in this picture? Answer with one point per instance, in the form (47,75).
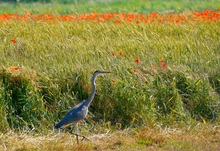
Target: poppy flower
(113,54)
(118,21)
(13,40)
(121,53)
(163,65)
(134,70)
(14,69)
(137,60)
(100,19)
(162,60)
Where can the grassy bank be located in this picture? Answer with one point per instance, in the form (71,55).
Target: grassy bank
(163,93)
(162,71)
(194,137)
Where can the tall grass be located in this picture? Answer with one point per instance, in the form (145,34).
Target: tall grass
(57,59)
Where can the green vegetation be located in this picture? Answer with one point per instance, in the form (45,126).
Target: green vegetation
(84,6)
(167,100)
(40,92)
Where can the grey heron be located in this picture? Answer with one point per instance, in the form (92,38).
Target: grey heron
(80,111)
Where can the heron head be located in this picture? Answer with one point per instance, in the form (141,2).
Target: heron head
(98,72)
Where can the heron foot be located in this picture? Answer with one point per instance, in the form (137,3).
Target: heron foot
(83,137)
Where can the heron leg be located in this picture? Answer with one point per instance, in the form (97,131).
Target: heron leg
(77,133)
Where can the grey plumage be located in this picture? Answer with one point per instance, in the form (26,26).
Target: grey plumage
(80,111)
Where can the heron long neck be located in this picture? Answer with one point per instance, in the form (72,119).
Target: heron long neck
(92,94)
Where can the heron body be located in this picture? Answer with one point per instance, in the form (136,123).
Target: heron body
(77,113)
(80,111)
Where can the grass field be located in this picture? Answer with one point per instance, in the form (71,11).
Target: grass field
(200,137)
(85,6)
(163,93)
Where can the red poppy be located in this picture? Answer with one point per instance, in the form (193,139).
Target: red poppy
(100,19)
(134,70)
(137,60)
(113,54)
(118,21)
(14,69)
(163,65)
(204,16)
(121,53)
(162,60)
(13,40)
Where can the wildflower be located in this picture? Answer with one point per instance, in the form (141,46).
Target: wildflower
(137,60)
(146,21)
(114,82)
(13,40)
(161,19)
(134,70)
(163,65)
(129,19)
(12,69)
(152,20)
(154,14)
(113,54)
(118,21)
(131,15)
(162,60)
(121,53)
(100,19)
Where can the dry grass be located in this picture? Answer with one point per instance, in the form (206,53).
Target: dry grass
(201,137)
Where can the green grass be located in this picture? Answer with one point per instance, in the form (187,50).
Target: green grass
(110,6)
(176,108)
(40,93)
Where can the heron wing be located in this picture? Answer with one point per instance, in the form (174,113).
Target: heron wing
(75,114)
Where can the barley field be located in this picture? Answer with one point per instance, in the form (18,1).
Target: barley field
(163,92)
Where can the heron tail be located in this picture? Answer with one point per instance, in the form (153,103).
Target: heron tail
(58,125)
